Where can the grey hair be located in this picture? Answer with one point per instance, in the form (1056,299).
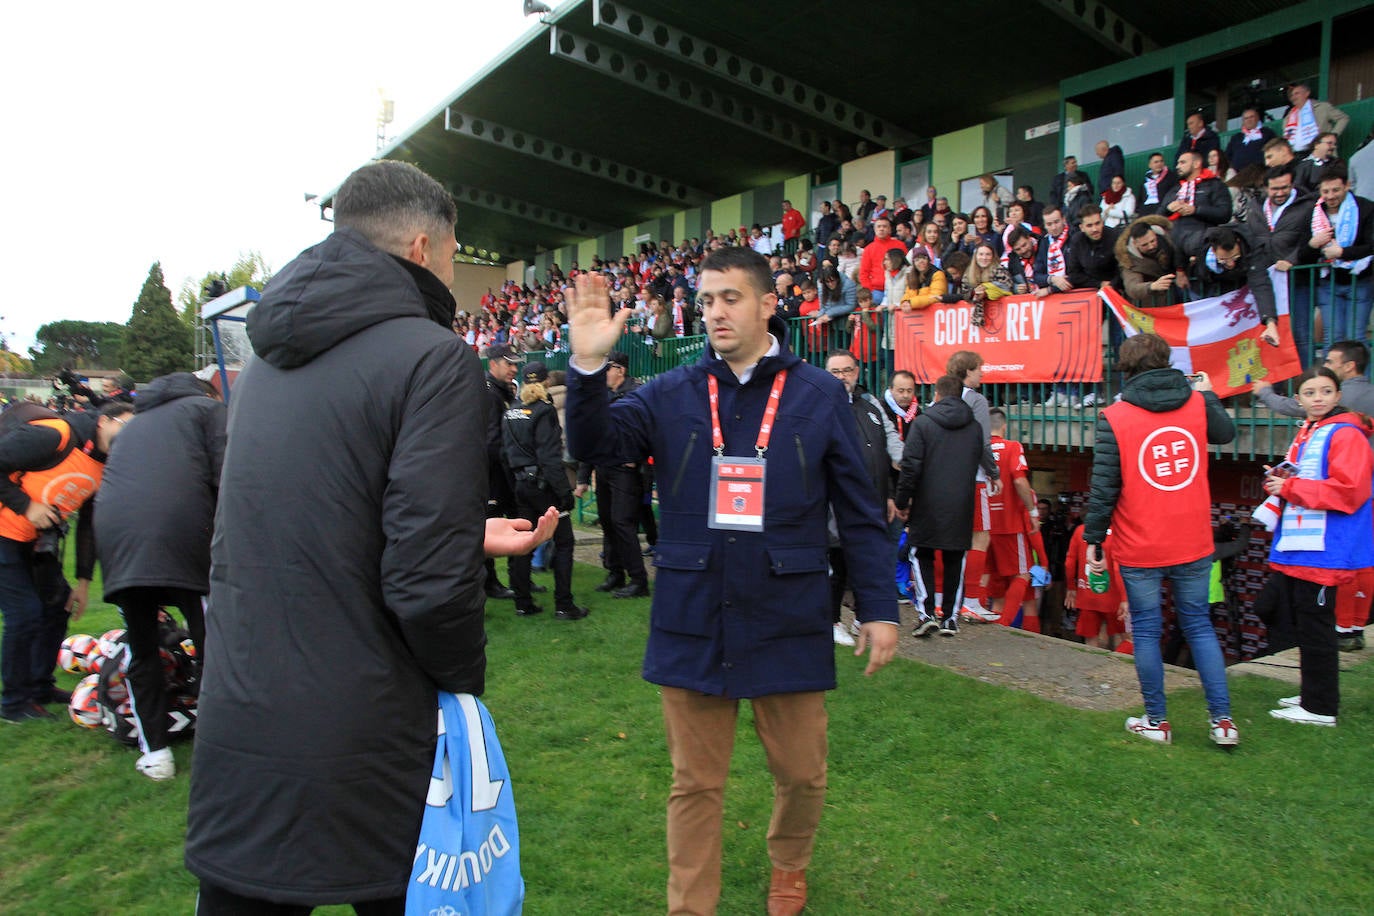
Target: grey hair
(390,202)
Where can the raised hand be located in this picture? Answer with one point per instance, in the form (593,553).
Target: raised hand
(591,326)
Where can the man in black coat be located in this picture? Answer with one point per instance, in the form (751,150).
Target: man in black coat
(156,510)
(1090,260)
(1113,164)
(1280,228)
(1198,203)
(1159,179)
(1198,137)
(939,464)
(347,582)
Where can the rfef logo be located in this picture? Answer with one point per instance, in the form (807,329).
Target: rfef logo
(1169,458)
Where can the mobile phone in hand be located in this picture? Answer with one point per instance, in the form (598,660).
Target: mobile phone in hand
(1283,469)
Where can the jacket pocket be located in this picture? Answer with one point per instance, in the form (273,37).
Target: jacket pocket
(798,593)
(682,556)
(801,465)
(791,561)
(686,601)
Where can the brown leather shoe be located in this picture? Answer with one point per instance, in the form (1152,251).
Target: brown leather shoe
(787,893)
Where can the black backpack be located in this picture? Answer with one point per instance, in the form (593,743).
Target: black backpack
(181,670)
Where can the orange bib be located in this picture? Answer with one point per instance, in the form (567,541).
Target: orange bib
(65,487)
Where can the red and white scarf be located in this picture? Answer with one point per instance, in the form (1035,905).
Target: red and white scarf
(1055,259)
(904,417)
(1152,187)
(679,328)
(1187,190)
(1271,215)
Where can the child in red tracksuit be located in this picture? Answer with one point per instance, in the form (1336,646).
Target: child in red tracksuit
(1101,618)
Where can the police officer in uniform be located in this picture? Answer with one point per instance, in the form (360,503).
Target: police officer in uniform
(620,492)
(502,366)
(532,443)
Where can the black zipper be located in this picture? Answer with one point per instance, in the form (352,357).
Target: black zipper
(801,459)
(682,468)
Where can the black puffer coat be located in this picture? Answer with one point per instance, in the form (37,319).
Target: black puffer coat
(939,465)
(347,584)
(156,502)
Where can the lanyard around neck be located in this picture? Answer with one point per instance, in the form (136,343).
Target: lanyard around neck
(769,412)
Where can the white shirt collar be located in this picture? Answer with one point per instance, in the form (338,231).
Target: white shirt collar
(774,348)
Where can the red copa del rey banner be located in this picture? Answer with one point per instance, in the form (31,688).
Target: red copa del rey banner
(1023,339)
(1220,336)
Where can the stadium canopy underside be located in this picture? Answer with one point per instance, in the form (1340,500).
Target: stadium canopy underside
(609,114)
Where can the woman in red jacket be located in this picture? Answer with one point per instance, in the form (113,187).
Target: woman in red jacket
(1322,536)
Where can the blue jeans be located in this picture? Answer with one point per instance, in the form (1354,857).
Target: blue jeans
(1344,304)
(31,601)
(1190,586)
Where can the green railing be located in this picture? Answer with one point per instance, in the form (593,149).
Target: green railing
(1038,415)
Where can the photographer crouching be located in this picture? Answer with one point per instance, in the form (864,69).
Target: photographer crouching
(50,465)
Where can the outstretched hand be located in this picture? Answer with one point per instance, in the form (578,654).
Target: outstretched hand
(592,327)
(509,537)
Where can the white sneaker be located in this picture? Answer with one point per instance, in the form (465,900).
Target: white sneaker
(1290,702)
(157,765)
(1150,729)
(1300,715)
(973,610)
(1058,399)
(1090,399)
(842,637)
(1077,404)
(1223,732)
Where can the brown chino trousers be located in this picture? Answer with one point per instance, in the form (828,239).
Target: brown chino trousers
(701,738)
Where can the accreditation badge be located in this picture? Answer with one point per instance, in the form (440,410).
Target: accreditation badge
(736,493)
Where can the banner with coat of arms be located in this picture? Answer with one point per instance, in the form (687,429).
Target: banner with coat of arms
(1219,336)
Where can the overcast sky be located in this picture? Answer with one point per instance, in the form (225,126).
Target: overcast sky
(189,132)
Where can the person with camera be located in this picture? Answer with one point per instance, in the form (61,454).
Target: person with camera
(1320,495)
(50,466)
(532,445)
(1149,486)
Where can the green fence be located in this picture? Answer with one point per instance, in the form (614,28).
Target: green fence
(1058,417)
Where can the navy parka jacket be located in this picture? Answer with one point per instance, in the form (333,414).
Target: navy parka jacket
(738,613)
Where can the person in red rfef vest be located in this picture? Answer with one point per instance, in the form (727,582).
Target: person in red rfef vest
(1149,486)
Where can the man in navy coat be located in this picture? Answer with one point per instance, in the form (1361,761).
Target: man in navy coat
(740,609)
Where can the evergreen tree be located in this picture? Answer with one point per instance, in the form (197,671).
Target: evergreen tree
(157,341)
(70,344)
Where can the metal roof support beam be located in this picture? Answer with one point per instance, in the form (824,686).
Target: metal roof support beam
(535,213)
(1095,18)
(731,67)
(742,114)
(519,141)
